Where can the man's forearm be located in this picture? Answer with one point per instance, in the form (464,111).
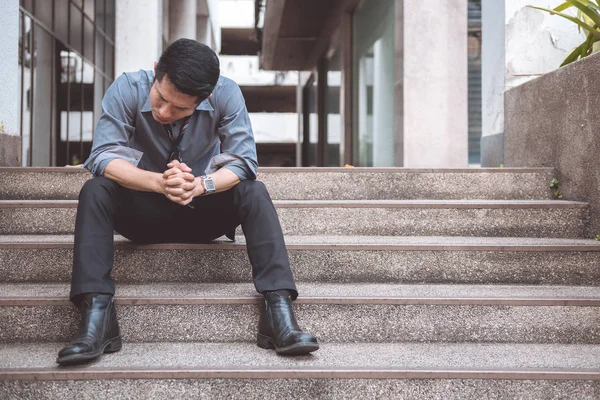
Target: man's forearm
(131,177)
(224,180)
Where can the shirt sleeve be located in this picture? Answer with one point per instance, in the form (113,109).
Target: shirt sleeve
(235,133)
(115,127)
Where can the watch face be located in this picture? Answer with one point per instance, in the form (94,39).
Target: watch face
(209,185)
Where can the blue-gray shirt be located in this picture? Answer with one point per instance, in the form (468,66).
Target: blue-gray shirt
(219,133)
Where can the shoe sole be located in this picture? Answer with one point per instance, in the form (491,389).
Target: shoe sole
(110,346)
(296,349)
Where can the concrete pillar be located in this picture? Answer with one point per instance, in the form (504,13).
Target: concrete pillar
(44,96)
(518,44)
(203,30)
(138,41)
(182,19)
(10,140)
(435,77)
(383,100)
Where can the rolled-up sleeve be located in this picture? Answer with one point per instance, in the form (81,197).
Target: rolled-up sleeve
(115,127)
(235,133)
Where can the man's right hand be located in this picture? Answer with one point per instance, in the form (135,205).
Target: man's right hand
(179,183)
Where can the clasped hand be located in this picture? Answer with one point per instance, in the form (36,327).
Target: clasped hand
(180,186)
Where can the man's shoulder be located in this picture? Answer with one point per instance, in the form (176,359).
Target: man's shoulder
(226,93)
(225,84)
(139,79)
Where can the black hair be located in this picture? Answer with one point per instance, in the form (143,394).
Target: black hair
(192,67)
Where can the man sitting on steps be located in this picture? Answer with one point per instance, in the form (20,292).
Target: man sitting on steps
(174,160)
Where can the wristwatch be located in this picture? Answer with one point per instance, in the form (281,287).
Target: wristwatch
(209,185)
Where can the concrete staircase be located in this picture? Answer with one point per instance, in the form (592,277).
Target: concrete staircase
(421,284)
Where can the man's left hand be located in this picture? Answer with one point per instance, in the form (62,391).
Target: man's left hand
(180,185)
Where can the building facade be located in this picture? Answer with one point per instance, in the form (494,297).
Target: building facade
(412,83)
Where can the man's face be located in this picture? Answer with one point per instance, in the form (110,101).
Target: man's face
(168,104)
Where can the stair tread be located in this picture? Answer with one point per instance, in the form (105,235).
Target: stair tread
(310,292)
(5,170)
(455,242)
(354,203)
(410,356)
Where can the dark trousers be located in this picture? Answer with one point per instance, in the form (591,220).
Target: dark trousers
(105,207)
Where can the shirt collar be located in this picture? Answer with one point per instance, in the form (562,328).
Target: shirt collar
(203,106)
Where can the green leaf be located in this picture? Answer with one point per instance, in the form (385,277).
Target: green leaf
(585,26)
(586,7)
(586,3)
(563,6)
(583,50)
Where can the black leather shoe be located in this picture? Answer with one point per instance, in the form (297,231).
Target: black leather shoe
(98,332)
(278,329)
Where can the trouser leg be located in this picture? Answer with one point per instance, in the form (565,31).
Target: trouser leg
(105,206)
(249,204)
(93,249)
(264,238)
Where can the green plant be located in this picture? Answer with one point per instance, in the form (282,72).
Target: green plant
(555,189)
(587,19)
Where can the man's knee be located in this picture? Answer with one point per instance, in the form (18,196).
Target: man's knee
(250,188)
(99,188)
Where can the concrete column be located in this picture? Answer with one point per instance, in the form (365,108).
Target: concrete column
(182,19)
(138,40)
(518,44)
(10,141)
(42,111)
(435,77)
(203,30)
(383,100)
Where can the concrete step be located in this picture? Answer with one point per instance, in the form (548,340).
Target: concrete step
(336,371)
(325,183)
(520,218)
(378,313)
(341,259)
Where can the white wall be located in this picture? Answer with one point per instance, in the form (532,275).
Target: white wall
(519,44)
(536,42)
(274,127)
(236,13)
(139,34)
(245,71)
(435,84)
(9,65)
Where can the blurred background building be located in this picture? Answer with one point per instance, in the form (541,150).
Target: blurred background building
(373,83)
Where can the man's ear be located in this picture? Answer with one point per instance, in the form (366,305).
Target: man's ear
(155,65)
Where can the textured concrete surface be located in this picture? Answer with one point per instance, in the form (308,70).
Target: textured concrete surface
(491,356)
(403,218)
(329,322)
(43,185)
(366,291)
(10,149)
(301,389)
(492,150)
(372,263)
(322,185)
(321,242)
(551,122)
(410,186)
